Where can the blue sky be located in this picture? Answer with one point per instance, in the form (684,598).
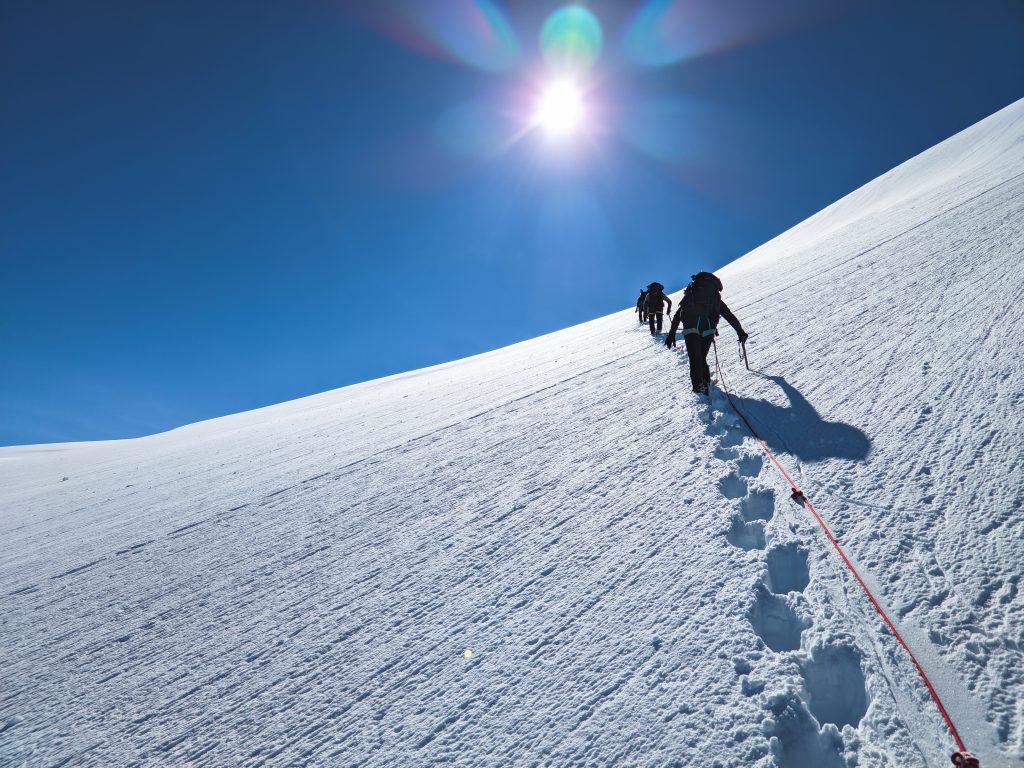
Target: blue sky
(213,206)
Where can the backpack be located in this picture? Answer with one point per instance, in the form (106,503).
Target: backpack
(654,294)
(703,296)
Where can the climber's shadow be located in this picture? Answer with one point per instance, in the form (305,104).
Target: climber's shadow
(799,429)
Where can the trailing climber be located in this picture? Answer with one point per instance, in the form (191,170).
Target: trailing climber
(641,306)
(698,313)
(655,303)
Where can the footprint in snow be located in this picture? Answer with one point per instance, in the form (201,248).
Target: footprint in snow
(759,504)
(787,569)
(732,486)
(794,737)
(775,621)
(745,535)
(834,686)
(750,465)
(725,454)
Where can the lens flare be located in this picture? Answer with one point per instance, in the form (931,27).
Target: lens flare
(571,39)
(560,111)
(476,33)
(665,32)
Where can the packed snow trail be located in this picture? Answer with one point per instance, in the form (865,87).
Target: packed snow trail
(960,756)
(297,585)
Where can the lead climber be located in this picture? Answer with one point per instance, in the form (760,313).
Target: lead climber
(698,312)
(641,306)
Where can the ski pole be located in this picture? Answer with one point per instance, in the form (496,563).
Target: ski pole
(743,346)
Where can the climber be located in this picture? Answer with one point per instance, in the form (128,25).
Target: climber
(641,306)
(655,303)
(698,313)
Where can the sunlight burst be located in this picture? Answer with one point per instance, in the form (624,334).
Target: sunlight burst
(560,111)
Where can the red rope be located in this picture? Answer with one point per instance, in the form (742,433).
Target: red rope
(799,495)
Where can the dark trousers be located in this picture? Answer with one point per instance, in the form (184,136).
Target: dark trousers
(654,318)
(697,347)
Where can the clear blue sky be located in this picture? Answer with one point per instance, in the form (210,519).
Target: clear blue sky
(211,206)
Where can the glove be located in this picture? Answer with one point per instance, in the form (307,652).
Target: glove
(743,337)
(670,341)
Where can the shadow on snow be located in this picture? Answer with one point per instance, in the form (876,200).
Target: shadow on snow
(799,429)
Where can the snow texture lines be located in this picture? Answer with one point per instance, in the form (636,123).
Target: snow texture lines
(273,631)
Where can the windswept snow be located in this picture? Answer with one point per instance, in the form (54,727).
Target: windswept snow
(297,585)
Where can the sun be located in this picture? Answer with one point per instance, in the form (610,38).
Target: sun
(560,110)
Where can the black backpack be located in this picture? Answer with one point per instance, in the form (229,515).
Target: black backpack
(703,296)
(654,294)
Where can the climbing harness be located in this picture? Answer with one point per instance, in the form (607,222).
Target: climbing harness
(961,758)
(709,331)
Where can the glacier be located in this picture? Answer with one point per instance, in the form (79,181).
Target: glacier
(554,553)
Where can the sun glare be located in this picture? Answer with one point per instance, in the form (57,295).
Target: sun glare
(560,110)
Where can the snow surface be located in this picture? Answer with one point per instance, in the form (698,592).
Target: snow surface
(299,584)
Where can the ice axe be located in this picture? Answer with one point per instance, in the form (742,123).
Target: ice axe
(743,354)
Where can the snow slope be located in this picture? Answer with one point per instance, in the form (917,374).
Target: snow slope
(297,585)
